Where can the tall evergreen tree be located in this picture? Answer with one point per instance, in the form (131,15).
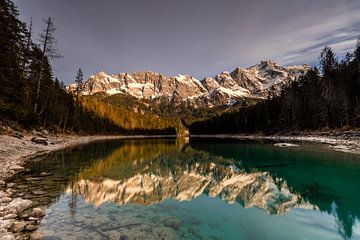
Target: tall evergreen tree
(12,37)
(79,81)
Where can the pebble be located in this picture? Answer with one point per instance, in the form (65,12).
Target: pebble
(38,212)
(10,216)
(17,168)
(6,223)
(8,236)
(114,234)
(20,204)
(9,185)
(5,200)
(36,236)
(18,226)
(31,227)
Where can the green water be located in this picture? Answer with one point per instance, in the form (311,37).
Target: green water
(205,189)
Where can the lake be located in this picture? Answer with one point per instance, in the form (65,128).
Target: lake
(204,189)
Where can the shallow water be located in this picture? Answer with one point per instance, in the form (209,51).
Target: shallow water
(205,189)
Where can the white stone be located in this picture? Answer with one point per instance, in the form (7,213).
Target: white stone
(285,145)
(8,236)
(20,204)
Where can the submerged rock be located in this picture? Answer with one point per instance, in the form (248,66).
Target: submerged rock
(285,145)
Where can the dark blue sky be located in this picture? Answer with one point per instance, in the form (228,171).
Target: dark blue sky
(196,37)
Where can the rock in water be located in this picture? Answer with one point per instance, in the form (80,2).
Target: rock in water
(285,145)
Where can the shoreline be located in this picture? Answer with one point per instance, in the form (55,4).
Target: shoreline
(14,152)
(340,143)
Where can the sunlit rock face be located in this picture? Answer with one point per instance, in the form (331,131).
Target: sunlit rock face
(226,88)
(231,185)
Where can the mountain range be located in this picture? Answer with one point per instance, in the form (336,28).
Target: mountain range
(264,79)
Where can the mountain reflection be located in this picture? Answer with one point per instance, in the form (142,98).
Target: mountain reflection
(182,175)
(147,172)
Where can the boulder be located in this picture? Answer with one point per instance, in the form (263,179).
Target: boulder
(40,140)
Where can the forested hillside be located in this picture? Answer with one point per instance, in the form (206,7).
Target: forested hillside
(30,96)
(322,99)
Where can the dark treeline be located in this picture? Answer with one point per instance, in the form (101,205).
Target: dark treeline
(30,96)
(326,100)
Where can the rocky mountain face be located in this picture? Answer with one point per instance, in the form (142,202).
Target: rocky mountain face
(226,88)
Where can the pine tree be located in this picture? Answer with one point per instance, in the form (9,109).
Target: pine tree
(79,81)
(12,42)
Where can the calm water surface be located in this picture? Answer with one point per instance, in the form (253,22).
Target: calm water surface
(205,189)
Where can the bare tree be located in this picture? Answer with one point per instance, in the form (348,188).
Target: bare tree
(48,43)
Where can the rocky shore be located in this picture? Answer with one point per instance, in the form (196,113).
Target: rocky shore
(19,215)
(345,141)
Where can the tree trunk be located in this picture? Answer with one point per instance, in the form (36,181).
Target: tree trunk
(65,121)
(41,66)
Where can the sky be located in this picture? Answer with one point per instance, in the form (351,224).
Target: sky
(197,37)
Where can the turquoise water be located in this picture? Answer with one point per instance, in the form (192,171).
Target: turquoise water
(205,189)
